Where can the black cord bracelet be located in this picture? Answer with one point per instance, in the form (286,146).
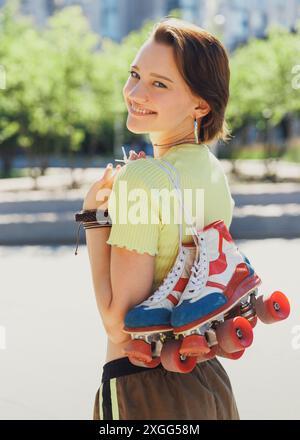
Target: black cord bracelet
(92,218)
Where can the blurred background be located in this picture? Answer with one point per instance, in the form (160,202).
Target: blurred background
(63,65)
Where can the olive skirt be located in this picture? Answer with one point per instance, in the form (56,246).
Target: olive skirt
(130,392)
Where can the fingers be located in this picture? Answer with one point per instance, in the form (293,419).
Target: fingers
(134,156)
(118,168)
(108,172)
(109,176)
(109,168)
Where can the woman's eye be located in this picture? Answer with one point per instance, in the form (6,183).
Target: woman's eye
(163,86)
(132,71)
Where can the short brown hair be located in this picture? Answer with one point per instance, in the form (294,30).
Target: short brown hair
(203,63)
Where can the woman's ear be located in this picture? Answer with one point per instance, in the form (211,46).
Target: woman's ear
(202,109)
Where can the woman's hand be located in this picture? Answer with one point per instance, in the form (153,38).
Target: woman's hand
(98,195)
(134,156)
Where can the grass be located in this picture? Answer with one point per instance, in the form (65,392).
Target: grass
(258,153)
(248,153)
(292,155)
(16,172)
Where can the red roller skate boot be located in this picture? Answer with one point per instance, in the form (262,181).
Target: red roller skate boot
(222,279)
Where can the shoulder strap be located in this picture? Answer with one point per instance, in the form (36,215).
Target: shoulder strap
(176,184)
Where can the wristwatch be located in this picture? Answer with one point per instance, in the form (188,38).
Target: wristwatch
(93,215)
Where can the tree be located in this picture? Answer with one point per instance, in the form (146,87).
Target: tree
(261,89)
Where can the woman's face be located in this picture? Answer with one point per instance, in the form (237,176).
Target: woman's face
(174,107)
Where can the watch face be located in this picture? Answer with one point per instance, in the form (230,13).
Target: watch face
(101,217)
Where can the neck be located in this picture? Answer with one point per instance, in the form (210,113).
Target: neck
(161,151)
(162,144)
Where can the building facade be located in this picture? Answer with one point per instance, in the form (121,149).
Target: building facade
(234,21)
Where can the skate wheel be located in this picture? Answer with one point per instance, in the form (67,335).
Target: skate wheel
(152,364)
(206,356)
(194,345)
(171,359)
(274,308)
(139,349)
(234,334)
(234,356)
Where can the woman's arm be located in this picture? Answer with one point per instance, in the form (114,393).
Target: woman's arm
(99,257)
(121,279)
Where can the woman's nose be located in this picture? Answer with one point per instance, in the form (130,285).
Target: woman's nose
(138,95)
(138,100)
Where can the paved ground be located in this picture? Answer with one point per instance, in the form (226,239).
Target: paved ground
(53,343)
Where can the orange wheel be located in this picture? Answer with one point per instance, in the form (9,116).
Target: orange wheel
(171,359)
(139,349)
(274,308)
(206,356)
(194,345)
(152,364)
(234,334)
(234,356)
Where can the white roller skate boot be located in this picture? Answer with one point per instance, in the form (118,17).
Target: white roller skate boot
(149,322)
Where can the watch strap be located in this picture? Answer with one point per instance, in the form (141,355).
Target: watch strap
(93,215)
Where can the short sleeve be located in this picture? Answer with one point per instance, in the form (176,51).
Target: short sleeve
(134,212)
(228,219)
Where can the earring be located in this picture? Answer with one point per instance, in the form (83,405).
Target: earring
(196,131)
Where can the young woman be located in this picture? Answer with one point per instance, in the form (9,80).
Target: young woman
(179,78)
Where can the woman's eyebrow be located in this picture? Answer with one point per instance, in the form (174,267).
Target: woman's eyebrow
(155,74)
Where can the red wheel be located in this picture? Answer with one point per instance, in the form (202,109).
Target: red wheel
(234,334)
(234,356)
(139,349)
(194,345)
(171,359)
(274,308)
(206,356)
(152,364)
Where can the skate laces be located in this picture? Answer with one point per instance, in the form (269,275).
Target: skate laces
(169,280)
(199,272)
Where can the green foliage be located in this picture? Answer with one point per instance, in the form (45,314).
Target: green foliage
(262,79)
(64,84)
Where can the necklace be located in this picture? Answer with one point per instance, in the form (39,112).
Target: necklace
(183,141)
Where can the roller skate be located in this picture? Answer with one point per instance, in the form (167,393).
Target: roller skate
(148,323)
(219,307)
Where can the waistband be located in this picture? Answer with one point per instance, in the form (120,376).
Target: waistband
(122,367)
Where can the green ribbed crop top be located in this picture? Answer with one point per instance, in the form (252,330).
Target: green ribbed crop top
(198,169)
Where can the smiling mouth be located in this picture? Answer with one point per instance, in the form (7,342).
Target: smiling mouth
(144,112)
